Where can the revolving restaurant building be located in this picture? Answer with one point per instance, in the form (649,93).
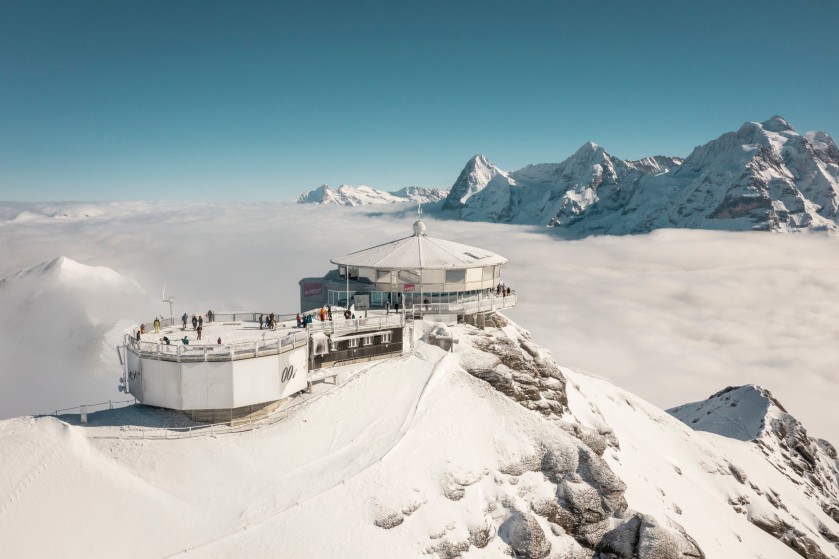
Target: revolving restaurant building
(428,275)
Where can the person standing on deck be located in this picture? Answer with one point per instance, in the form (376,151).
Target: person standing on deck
(261,320)
(194,322)
(184,318)
(322,314)
(200,329)
(200,321)
(387,306)
(157,326)
(299,321)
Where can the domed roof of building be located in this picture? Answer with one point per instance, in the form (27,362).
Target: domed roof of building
(420,251)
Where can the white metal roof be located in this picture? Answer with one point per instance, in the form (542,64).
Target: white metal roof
(420,251)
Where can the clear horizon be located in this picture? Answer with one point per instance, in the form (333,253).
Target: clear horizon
(210,101)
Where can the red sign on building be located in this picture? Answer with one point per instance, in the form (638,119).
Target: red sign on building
(312,289)
(408,287)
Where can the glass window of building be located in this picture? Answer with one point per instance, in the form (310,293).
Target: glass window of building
(455,276)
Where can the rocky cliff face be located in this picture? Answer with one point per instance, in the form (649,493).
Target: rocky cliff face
(764,176)
(580,497)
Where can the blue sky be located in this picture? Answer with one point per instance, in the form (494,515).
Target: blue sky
(261,101)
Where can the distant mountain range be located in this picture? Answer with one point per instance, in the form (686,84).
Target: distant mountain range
(764,176)
(346,195)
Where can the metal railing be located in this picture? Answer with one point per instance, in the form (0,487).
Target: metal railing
(90,408)
(228,316)
(287,338)
(217,352)
(360,324)
(468,307)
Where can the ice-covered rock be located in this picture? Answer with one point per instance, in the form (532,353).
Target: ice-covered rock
(525,536)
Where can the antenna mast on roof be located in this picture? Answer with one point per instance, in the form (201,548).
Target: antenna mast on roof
(170,300)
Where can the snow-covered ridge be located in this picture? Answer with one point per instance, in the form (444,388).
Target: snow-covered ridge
(66,271)
(490,450)
(752,415)
(346,195)
(764,176)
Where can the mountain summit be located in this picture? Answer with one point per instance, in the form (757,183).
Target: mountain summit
(474,177)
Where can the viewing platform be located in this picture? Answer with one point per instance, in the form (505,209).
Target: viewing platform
(253,368)
(242,338)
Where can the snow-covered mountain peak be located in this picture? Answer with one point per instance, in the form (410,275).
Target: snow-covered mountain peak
(63,271)
(777,123)
(588,151)
(738,412)
(751,413)
(474,177)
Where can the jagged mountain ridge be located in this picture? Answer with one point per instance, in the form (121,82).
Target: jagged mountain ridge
(764,176)
(346,195)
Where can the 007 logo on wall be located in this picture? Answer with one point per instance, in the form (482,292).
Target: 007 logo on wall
(288,373)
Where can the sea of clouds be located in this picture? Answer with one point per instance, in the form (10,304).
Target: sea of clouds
(672,316)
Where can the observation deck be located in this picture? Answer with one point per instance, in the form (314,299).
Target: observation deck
(252,368)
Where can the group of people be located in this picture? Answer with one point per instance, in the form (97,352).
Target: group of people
(395,305)
(502,290)
(197,320)
(269,322)
(303,320)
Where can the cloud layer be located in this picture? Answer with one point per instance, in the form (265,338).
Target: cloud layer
(673,316)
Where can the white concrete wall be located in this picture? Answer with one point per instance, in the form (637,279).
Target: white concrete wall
(135,378)
(217,384)
(161,383)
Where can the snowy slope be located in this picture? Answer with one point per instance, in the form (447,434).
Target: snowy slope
(720,488)
(751,413)
(346,195)
(488,451)
(59,326)
(764,176)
